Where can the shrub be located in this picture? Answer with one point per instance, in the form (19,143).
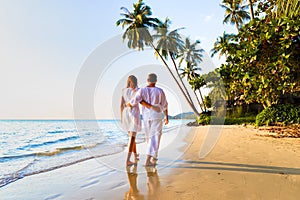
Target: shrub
(240,120)
(204,119)
(233,121)
(286,114)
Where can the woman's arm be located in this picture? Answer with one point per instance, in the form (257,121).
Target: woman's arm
(144,103)
(122,106)
(147,105)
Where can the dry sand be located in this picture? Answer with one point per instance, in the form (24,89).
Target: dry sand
(242,165)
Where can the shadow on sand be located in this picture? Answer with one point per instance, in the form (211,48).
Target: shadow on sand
(235,167)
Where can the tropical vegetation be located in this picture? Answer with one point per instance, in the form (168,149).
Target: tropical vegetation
(262,60)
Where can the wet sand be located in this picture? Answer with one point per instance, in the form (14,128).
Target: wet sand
(106,177)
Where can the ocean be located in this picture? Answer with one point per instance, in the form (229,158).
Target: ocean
(29,147)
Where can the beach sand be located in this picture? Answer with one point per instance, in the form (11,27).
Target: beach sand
(242,165)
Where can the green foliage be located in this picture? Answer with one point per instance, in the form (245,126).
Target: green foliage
(227,121)
(235,12)
(263,60)
(265,64)
(240,120)
(235,112)
(197,83)
(207,102)
(286,114)
(288,8)
(204,119)
(137,22)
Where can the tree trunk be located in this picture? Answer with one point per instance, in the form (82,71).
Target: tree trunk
(176,69)
(264,105)
(237,26)
(251,9)
(198,101)
(202,100)
(182,91)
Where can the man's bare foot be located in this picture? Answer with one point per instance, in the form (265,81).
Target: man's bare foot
(136,157)
(147,164)
(154,160)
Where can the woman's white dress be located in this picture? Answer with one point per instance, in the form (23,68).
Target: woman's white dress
(131,120)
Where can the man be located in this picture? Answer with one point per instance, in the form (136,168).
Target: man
(152,116)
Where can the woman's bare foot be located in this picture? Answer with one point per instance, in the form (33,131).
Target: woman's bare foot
(129,163)
(136,157)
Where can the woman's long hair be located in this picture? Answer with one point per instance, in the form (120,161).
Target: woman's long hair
(132,80)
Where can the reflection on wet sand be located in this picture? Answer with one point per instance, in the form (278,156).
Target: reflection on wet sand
(133,192)
(153,184)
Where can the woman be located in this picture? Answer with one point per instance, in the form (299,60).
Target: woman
(130,117)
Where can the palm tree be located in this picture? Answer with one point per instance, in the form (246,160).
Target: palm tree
(235,12)
(190,52)
(169,44)
(222,45)
(137,23)
(192,55)
(250,4)
(287,8)
(190,71)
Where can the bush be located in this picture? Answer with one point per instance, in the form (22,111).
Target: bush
(286,114)
(204,119)
(233,121)
(240,120)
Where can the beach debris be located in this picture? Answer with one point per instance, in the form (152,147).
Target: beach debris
(280,131)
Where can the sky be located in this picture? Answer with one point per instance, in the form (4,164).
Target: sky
(46,46)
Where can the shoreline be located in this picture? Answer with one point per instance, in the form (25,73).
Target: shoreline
(242,165)
(99,178)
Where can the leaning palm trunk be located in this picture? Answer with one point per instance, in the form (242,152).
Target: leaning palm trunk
(184,86)
(251,9)
(200,96)
(237,26)
(198,101)
(182,91)
(200,93)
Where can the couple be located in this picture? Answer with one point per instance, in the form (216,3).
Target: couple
(154,103)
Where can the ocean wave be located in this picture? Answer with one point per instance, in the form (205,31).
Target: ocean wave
(56,151)
(31,169)
(61,131)
(29,146)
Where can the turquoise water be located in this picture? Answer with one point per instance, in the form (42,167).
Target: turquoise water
(29,147)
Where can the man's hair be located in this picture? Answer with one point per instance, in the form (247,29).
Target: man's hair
(152,78)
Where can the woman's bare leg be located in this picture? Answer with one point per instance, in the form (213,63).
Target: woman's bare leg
(131,148)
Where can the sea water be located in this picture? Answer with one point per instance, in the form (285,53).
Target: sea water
(29,147)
